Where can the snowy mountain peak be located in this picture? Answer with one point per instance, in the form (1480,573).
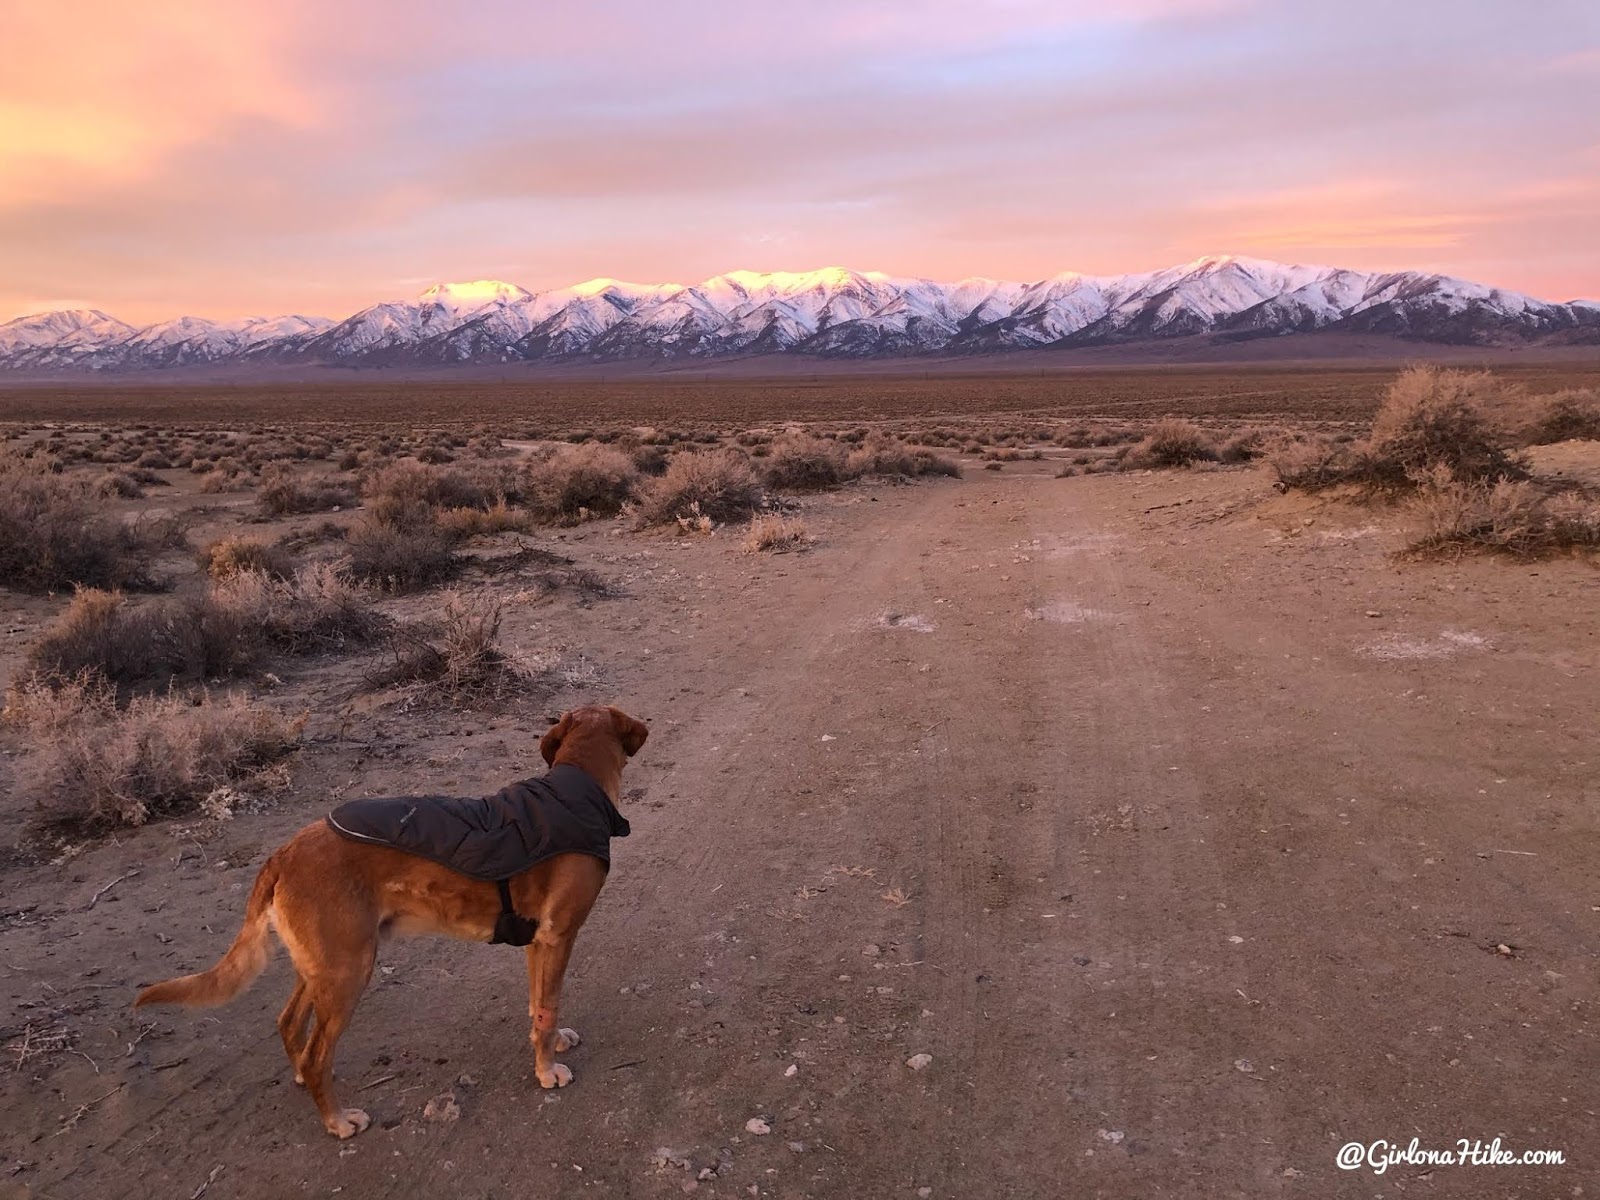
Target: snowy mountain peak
(64,327)
(831,311)
(1213,262)
(480,293)
(605,285)
(795,282)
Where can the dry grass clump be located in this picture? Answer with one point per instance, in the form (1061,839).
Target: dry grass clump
(1173,443)
(776,533)
(413,493)
(1308,463)
(220,634)
(803,462)
(318,608)
(285,491)
(124,644)
(458,657)
(120,485)
(56,531)
(95,766)
(885,456)
(1508,516)
(714,485)
(462,523)
(303,538)
(589,480)
(402,557)
(405,540)
(1245,446)
(502,479)
(649,458)
(1571,414)
(230,555)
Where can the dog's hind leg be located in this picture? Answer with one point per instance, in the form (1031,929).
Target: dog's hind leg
(334,994)
(292,1025)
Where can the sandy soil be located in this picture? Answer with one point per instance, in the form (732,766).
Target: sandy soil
(1175,820)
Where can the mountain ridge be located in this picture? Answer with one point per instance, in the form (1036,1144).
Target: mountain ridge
(833,312)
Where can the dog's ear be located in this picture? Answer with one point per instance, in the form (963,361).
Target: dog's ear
(551,741)
(631,730)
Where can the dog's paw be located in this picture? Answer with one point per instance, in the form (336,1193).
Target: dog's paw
(566,1039)
(558,1076)
(348,1123)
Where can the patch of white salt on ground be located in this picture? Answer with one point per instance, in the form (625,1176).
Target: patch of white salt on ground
(1065,612)
(1395,646)
(1347,535)
(1065,546)
(911,621)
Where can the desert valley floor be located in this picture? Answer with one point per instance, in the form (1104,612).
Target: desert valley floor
(1191,832)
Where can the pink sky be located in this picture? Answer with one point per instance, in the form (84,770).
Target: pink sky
(229,159)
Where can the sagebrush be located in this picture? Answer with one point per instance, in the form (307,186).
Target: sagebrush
(95,766)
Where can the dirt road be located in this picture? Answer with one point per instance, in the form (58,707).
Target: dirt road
(1184,869)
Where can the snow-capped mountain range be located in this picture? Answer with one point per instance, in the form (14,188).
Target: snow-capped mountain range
(832,312)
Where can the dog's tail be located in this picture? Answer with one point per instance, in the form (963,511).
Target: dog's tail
(238,968)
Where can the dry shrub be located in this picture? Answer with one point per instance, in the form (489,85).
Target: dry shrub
(1309,463)
(717,485)
(96,766)
(578,481)
(56,532)
(1244,446)
(1430,418)
(802,462)
(144,645)
(230,555)
(462,523)
(649,458)
(413,494)
(120,485)
(771,531)
(97,633)
(220,634)
(296,540)
(498,480)
(878,455)
(284,491)
(400,557)
(458,657)
(318,608)
(1172,443)
(224,479)
(1510,516)
(1562,416)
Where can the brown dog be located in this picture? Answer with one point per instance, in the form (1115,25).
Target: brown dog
(332,899)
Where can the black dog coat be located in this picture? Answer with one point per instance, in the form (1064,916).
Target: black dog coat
(494,837)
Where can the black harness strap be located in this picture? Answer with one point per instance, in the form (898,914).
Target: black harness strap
(510,927)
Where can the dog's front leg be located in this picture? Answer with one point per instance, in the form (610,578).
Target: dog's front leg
(547,967)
